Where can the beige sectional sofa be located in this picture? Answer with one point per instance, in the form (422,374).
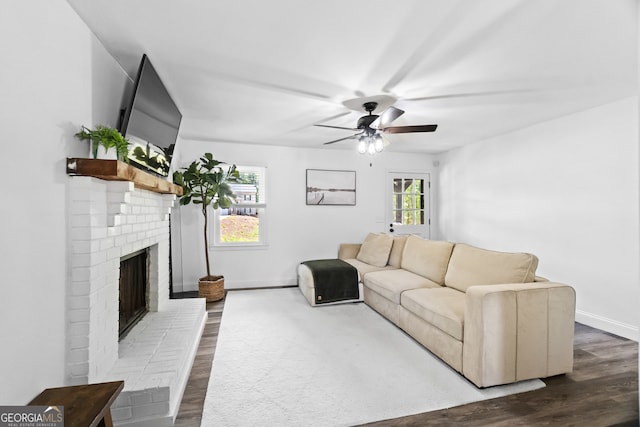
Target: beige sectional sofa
(484,313)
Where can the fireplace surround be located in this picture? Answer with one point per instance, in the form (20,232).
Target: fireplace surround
(108,220)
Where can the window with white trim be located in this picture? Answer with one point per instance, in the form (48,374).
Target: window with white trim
(243,223)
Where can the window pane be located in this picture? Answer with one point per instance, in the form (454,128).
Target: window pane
(248,189)
(239,225)
(241,222)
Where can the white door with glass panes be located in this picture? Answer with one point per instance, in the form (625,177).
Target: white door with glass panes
(408,203)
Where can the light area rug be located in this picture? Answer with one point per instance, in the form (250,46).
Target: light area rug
(281,362)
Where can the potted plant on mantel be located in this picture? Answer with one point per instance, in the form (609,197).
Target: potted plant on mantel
(205,183)
(105,137)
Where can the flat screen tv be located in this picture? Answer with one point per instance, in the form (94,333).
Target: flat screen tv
(150,122)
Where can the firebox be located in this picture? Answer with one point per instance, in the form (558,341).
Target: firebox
(133,290)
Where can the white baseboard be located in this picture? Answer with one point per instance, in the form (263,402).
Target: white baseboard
(247,284)
(608,325)
(251,284)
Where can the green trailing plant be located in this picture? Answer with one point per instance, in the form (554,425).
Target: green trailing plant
(206,183)
(106,137)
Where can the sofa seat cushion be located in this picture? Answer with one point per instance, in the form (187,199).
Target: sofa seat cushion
(375,249)
(428,258)
(392,283)
(440,307)
(364,268)
(471,266)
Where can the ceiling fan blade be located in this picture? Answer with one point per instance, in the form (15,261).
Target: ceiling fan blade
(469,94)
(342,139)
(410,129)
(336,127)
(385,119)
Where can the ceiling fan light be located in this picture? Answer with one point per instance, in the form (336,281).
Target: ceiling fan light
(379,144)
(371,149)
(362,146)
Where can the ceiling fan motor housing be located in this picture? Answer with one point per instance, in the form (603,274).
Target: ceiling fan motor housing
(364,122)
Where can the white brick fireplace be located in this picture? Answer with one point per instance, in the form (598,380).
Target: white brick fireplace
(109,220)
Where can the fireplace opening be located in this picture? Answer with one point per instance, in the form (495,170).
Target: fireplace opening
(133,290)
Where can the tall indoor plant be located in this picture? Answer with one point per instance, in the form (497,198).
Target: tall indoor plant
(206,183)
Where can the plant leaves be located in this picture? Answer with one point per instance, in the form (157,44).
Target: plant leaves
(106,137)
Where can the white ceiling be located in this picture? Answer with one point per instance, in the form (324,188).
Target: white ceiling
(266,71)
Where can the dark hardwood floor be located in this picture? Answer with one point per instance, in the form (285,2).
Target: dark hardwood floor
(602,390)
(190,411)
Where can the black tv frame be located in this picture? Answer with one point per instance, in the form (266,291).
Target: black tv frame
(155,106)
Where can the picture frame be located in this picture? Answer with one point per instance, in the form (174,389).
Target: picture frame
(331,187)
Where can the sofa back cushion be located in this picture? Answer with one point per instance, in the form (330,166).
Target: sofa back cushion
(375,249)
(395,257)
(474,266)
(428,258)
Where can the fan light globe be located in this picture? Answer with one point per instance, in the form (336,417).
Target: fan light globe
(362,146)
(371,149)
(379,145)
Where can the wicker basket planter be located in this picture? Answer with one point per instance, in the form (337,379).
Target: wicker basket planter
(211,288)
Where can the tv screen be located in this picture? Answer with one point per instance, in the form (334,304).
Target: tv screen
(151,121)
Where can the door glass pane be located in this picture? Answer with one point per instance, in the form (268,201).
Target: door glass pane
(409,217)
(408,201)
(397,185)
(397,201)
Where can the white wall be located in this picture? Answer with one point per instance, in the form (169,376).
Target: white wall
(55,77)
(566,190)
(296,232)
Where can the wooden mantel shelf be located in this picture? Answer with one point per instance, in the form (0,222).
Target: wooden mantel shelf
(115,170)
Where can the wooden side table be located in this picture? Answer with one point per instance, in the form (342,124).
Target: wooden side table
(86,405)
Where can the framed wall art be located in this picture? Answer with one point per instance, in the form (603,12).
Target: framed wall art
(331,187)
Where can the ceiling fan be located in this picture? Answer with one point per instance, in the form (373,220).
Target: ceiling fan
(371,126)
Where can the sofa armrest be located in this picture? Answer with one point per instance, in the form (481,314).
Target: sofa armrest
(515,332)
(348,250)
